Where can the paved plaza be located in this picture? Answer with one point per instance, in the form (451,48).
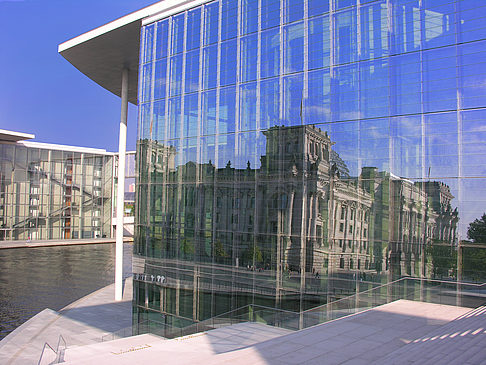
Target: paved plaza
(50,243)
(401,332)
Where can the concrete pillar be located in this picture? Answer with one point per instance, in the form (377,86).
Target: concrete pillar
(120,198)
(459,274)
(81,198)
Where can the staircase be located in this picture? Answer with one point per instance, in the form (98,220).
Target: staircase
(401,332)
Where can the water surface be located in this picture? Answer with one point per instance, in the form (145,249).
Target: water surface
(32,279)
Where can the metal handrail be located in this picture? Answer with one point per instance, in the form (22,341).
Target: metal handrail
(255,312)
(43,351)
(59,352)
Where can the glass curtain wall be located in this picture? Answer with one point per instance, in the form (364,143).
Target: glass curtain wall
(293,152)
(54,194)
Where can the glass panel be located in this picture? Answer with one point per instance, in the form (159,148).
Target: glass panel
(249,16)
(318,104)
(269,103)
(162,38)
(227,106)
(175,75)
(193,29)
(229,14)
(192,71)
(270,13)
(346,32)
(177,34)
(210,66)
(190,115)
(248,58)
(293,99)
(293,10)
(209,113)
(174,119)
(319,47)
(148,45)
(211,14)
(229,66)
(440,80)
(146,87)
(160,79)
(248,107)
(294,48)
(270,53)
(318,7)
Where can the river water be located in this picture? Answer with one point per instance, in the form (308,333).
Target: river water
(32,279)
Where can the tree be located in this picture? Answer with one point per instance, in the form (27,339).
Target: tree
(477,230)
(444,259)
(474,259)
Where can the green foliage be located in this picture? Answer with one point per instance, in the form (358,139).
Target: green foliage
(474,259)
(219,250)
(444,260)
(187,247)
(477,230)
(252,252)
(474,264)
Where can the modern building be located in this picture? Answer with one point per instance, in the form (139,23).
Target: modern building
(52,191)
(293,152)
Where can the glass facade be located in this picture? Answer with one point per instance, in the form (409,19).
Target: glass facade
(48,193)
(293,152)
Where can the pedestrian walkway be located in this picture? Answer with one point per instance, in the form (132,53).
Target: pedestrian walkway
(50,243)
(363,338)
(83,322)
(197,346)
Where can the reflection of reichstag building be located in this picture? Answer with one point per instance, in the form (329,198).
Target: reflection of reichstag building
(294,232)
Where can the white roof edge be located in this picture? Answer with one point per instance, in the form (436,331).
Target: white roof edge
(147,15)
(126,153)
(172,7)
(60,147)
(17,134)
(118,23)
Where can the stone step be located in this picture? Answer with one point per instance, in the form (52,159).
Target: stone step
(453,343)
(363,338)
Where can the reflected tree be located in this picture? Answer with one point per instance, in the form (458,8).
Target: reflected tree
(474,259)
(444,260)
(477,230)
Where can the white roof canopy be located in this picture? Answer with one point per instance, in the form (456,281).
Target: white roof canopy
(11,136)
(102,53)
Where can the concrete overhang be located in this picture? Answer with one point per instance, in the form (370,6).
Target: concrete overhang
(11,136)
(102,53)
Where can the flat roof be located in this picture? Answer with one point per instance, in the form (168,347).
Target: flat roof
(11,136)
(102,53)
(61,147)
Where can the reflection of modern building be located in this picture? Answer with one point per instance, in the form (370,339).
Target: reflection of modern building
(50,191)
(242,197)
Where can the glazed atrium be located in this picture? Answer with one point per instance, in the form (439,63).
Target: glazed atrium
(293,153)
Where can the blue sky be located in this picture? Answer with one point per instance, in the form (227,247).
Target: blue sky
(42,93)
